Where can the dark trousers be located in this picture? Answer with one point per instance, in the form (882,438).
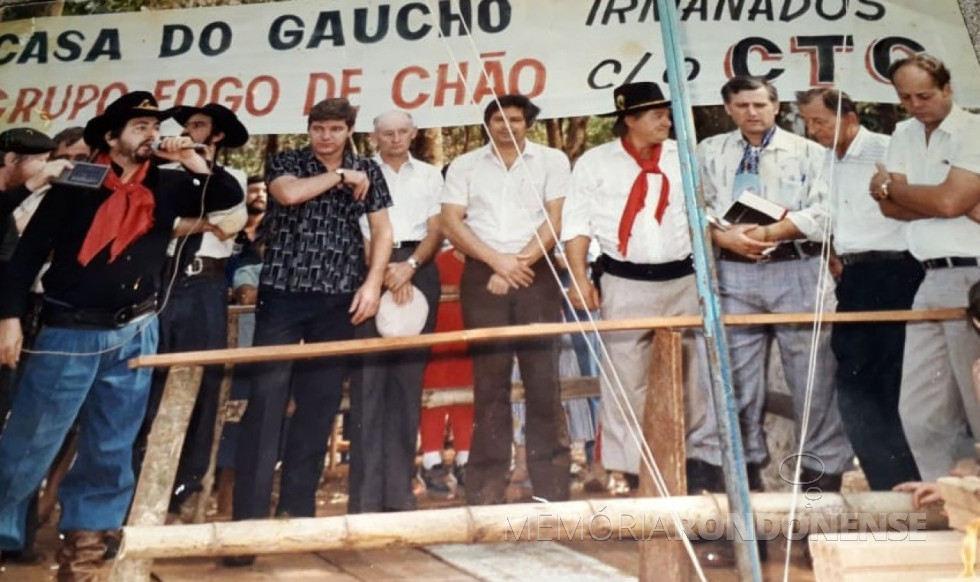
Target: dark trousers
(284,318)
(869,367)
(195,317)
(386,401)
(546,429)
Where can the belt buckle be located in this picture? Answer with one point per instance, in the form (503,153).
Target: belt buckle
(194,267)
(123,316)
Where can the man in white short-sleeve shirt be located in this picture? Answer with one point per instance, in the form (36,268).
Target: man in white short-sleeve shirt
(874,272)
(498,208)
(386,388)
(931,178)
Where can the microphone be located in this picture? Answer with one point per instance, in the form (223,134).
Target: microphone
(197,147)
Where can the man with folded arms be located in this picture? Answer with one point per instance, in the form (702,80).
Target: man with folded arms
(771,268)
(931,178)
(108,246)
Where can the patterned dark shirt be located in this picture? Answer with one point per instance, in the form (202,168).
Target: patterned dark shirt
(317,245)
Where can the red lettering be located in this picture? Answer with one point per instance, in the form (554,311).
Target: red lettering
(537,69)
(253,90)
(186,86)
(398,88)
(346,86)
(163,90)
(108,97)
(233,102)
(443,85)
(27,100)
(49,101)
(86,95)
(312,93)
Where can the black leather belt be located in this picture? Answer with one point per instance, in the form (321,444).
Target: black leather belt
(645,271)
(59,315)
(206,266)
(873,257)
(786,251)
(405,244)
(950,262)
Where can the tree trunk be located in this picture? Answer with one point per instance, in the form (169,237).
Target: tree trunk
(428,146)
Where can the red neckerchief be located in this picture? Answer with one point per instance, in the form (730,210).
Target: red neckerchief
(638,193)
(123,217)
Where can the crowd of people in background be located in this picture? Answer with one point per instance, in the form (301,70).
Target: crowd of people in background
(331,245)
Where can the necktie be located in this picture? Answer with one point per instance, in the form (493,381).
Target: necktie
(638,192)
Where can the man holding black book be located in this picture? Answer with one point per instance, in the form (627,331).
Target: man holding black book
(771,268)
(874,271)
(627,195)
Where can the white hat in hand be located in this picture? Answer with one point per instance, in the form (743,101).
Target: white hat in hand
(395,320)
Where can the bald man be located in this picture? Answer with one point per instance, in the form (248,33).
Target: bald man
(386,388)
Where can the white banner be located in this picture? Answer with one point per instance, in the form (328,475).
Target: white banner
(271,62)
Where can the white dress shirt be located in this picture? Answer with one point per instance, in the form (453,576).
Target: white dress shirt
(956,142)
(790,170)
(858,223)
(415,190)
(601,184)
(505,207)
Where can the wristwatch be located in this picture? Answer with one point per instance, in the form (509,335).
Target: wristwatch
(340,172)
(883,189)
(413,263)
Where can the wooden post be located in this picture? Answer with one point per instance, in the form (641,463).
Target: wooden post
(663,430)
(224,391)
(163,449)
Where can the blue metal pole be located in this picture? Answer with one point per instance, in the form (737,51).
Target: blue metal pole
(733,454)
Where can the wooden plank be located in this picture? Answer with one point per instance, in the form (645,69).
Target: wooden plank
(370,345)
(897,557)
(522,562)
(663,430)
(278,568)
(394,564)
(961,499)
(159,470)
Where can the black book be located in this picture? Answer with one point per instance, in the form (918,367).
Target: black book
(751,208)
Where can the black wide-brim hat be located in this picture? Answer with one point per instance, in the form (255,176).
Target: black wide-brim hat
(129,106)
(637,97)
(222,118)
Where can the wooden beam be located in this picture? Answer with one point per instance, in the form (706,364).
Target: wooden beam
(595,519)
(163,446)
(663,430)
(363,346)
(898,557)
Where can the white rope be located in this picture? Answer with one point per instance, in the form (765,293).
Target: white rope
(632,424)
(819,311)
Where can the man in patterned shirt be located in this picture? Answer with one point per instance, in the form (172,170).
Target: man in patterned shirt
(315,286)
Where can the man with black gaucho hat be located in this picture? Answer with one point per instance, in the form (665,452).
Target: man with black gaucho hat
(107,246)
(627,196)
(196,313)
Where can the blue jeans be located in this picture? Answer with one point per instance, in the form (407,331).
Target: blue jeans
(109,400)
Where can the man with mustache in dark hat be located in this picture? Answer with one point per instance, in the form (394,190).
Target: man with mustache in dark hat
(107,246)
(627,196)
(195,316)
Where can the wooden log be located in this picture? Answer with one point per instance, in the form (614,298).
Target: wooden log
(371,345)
(159,470)
(897,557)
(663,431)
(600,519)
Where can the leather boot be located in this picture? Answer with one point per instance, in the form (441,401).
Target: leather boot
(81,557)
